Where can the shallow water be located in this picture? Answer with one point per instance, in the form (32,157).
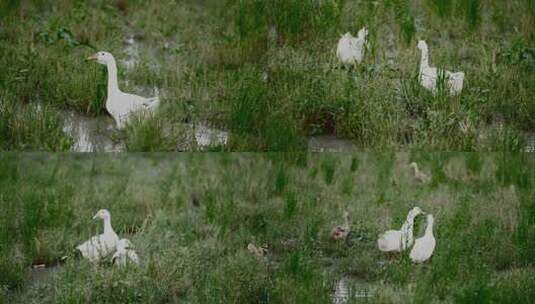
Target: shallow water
(99,134)
(498,126)
(39,276)
(341,292)
(201,137)
(131,50)
(206,137)
(530,142)
(329,143)
(92,134)
(348,288)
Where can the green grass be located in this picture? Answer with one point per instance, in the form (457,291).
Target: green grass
(266,70)
(30,127)
(191,216)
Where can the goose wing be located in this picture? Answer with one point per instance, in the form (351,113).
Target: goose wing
(344,51)
(95,248)
(136,103)
(133,257)
(423,249)
(389,241)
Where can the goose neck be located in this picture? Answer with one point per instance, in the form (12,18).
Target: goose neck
(113,85)
(424,59)
(407,226)
(429,229)
(406,231)
(107,226)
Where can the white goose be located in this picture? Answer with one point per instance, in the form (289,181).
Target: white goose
(398,240)
(424,246)
(419,176)
(350,50)
(101,245)
(429,76)
(124,254)
(121,105)
(258,251)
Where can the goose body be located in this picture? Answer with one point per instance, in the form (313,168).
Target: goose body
(100,246)
(390,241)
(350,49)
(122,105)
(258,251)
(125,254)
(424,246)
(398,240)
(419,176)
(429,76)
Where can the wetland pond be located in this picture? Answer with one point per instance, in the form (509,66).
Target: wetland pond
(99,134)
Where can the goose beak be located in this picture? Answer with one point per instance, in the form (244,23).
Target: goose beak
(95,217)
(92,57)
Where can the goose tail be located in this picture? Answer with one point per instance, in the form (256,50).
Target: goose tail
(382,243)
(153,103)
(459,76)
(456,82)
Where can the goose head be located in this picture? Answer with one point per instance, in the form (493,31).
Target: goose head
(102,57)
(422,46)
(415,211)
(124,244)
(363,33)
(413,165)
(347,35)
(102,214)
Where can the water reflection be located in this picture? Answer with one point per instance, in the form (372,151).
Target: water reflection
(92,134)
